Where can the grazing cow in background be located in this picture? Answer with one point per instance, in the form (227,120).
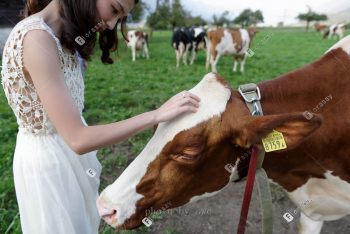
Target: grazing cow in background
(187,40)
(184,161)
(320,27)
(229,42)
(138,41)
(335,29)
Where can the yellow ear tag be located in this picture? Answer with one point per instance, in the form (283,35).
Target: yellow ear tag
(274,141)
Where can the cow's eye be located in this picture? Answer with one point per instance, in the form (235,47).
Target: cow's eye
(192,151)
(186,158)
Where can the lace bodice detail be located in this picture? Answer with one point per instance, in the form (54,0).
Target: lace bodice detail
(21,93)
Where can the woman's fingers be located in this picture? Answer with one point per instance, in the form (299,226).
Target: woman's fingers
(185,94)
(180,103)
(189,101)
(195,97)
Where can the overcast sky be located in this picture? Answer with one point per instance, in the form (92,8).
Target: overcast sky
(274,11)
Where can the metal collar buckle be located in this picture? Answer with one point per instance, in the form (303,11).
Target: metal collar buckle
(251,95)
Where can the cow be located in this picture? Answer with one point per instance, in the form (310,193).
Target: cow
(320,27)
(138,41)
(187,40)
(335,29)
(229,42)
(184,160)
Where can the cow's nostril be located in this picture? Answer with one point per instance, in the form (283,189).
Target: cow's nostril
(110,215)
(110,218)
(106,212)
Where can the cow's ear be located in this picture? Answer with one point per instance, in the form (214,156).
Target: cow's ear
(295,128)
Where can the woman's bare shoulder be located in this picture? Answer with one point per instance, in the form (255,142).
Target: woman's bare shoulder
(39,48)
(40,40)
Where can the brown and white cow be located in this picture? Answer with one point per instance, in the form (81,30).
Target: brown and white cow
(229,42)
(138,41)
(320,27)
(184,161)
(335,29)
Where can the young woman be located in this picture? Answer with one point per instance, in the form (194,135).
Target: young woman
(56,172)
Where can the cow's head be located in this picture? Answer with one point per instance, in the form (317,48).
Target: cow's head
(136,39)
(187,157)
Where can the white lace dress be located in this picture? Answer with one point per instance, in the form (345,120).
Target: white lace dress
(56,189)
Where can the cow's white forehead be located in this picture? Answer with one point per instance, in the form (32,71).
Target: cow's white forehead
(214,97)
(122,195)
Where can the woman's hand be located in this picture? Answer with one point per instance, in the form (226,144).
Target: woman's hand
(180,103)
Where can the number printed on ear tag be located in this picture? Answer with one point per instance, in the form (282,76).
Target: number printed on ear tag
(274,141)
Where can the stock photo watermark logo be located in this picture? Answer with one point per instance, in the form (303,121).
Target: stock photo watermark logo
(81,40)
(147,221)
(153,211)
(251,52)
(289,215)
(309,115)
(91,172)
(230,167)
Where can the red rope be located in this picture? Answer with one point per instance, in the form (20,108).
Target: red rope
(248,190)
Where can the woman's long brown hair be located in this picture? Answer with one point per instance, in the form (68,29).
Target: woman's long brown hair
(80,20)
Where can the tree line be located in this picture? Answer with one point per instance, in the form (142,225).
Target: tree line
(171,14)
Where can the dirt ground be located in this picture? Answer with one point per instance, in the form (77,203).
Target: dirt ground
(219,214)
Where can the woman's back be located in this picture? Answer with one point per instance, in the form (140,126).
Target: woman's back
(18,86)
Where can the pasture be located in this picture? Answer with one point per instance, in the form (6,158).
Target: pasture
(125,89)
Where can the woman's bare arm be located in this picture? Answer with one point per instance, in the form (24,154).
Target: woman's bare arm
(40,57)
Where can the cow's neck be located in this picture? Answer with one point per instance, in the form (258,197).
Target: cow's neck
(304,90)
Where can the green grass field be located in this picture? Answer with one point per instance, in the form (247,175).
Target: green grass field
(126,89)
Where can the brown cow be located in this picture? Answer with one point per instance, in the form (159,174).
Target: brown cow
(320,27)
(185,159)
(229,42)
